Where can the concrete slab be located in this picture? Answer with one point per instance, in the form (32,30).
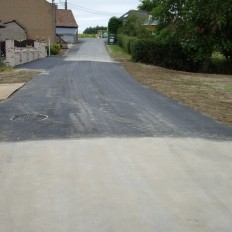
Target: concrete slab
(121,185)
(7,89)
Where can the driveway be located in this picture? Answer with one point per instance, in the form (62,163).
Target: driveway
(100,152)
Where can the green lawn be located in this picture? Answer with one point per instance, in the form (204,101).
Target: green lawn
(118,53)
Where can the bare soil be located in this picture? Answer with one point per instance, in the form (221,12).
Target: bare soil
(17,76)
(208,93)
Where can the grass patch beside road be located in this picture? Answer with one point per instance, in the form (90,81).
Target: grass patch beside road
(118,53)
(11,75)
(208,93)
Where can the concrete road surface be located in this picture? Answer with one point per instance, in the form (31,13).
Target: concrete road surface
(99,152)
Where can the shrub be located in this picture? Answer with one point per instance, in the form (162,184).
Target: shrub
(166,51)
(124,41)
(54,49)
(2,66)
(57,46)
(157,53)
(226,49)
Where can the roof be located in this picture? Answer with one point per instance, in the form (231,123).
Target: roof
(65,18)
(139,13)
(15,21)
(143,15)
(2,25)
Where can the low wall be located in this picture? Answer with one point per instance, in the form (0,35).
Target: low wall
(16,56)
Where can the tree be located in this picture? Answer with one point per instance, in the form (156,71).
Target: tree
(113,25)
(147,5)
(94,30)
(134,27)
(199,26)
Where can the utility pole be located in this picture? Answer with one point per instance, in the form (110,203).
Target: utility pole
(66,5)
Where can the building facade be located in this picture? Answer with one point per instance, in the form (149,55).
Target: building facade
(37,16)
(66,26)
(13,30)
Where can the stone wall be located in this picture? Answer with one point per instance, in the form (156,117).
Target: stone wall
(16,56)
(38,17)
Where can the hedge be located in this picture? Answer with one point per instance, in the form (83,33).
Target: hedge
(186,56)
(154,52)
(124,41)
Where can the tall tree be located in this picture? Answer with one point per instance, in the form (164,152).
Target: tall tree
(133,26)
(198,25)
(114,24)
(148,5)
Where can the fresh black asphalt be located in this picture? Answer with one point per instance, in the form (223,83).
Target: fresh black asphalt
(92,99)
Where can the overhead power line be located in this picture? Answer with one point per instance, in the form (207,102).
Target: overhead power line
(85,9)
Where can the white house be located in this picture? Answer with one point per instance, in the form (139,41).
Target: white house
(66,26)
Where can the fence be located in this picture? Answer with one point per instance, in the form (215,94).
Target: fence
(20,55)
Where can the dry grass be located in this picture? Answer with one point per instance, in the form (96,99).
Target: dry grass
(17,76)
(207,93)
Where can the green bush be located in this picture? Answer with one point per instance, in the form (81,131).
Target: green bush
(154,52)
(226,50)
(166,51)
(57,46)
(2,66)
(54,49)
(124,41)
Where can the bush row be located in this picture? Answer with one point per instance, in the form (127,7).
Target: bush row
(125,41)
(161,54)
(169,54)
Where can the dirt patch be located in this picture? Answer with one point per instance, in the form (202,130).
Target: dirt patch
(207,93)
(17,76)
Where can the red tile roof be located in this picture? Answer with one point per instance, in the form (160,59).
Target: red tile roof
(65,18)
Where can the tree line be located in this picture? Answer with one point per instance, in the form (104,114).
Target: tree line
(94,30)
(192,30)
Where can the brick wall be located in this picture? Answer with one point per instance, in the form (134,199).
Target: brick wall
(38,17)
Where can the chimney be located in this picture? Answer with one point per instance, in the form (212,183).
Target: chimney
(66,5)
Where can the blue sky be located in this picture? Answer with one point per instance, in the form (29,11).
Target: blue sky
(94,12)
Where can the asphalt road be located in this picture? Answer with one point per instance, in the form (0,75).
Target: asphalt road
(85,148)
(86,95)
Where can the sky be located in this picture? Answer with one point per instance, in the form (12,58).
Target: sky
(90,13)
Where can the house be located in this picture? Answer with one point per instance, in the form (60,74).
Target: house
(13,30)
(66,26)
(38,17)
(2,25)
(147,20)
(143,15)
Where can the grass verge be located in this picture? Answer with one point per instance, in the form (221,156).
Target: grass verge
(10,75)
(208,93)
(118,53)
